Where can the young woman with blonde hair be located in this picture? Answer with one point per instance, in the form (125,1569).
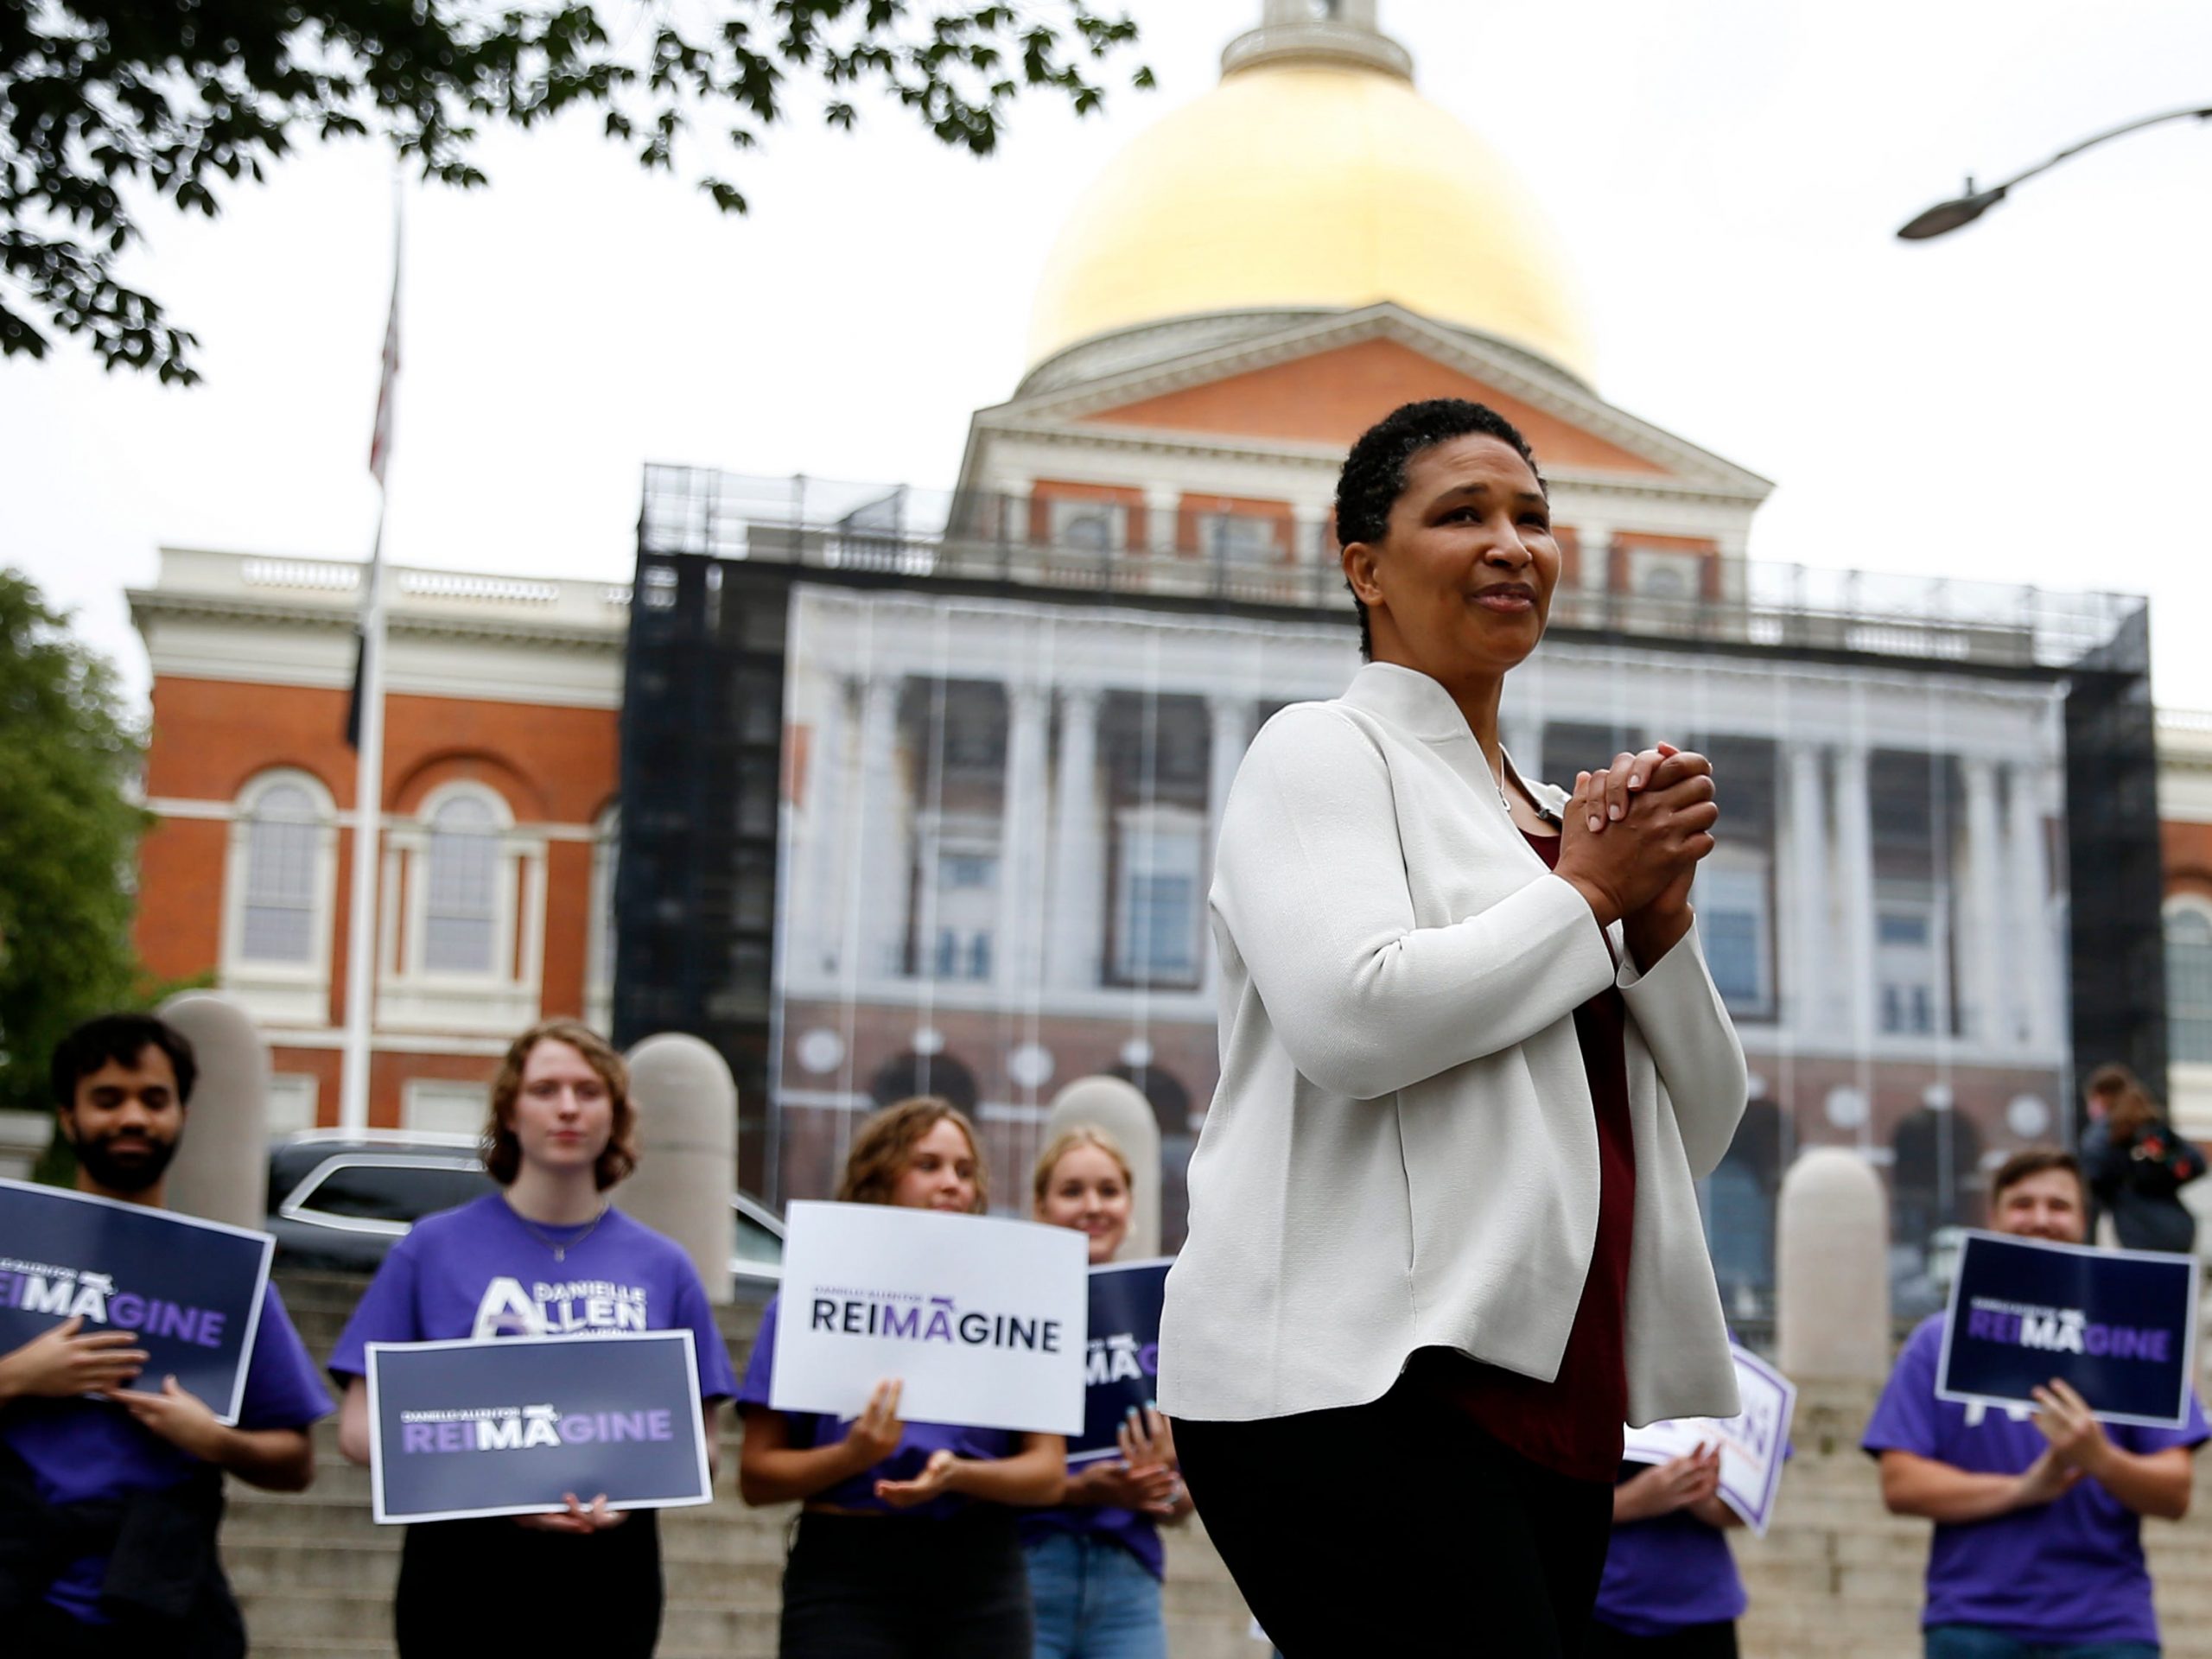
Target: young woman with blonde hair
(549,1255)
(1096,1561)
(905,1544)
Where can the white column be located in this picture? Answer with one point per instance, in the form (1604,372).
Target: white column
(1021,839)
(1232,720)
(1854,836)
(823,926)
(1309,522)
(886,857)
(1078,930)
(1162,514)
(1806,881)
(1594,545)
(1981,942)
(2035,956)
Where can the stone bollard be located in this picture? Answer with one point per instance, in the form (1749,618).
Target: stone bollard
(221,1172)
(1832,1269)
(1122,1111)
(687,1151)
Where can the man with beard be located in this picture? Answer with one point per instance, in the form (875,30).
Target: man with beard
(110,1494)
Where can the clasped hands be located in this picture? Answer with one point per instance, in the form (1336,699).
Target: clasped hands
(1634,835)
(2078,1446)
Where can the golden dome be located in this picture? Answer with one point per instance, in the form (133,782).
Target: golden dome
(1302,185)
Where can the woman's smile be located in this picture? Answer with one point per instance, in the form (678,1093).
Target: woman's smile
(1507,598)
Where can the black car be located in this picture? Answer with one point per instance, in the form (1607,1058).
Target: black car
(338,1199)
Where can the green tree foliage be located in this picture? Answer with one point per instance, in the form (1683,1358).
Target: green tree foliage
(104,102)
(69,751)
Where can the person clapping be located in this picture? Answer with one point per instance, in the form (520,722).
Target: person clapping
(905,1543)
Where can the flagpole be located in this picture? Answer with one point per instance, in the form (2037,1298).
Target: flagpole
(368,818)
(368,775)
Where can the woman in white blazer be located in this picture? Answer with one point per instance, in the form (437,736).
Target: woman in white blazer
(1444,1231)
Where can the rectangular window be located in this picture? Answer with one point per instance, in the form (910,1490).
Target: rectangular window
(1160,931)
(1158,896)
(1238,538)
(461,914)
(1092,527)
(1905,969)
(2188,986)
(279,920)
(1734,923)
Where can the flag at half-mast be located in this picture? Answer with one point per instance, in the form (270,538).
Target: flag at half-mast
(379,455)
(380,441)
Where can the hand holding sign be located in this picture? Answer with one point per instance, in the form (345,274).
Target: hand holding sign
(2078,1440)
(64,1360)
(2046,1480)
(934,1480)
(876,1432)
(578,1517)
(1679,1484)
(182,1419)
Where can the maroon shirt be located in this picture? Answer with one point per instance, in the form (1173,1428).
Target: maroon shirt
(1572,1426)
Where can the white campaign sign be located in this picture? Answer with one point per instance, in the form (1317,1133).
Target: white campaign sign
(1752,1445)
(982,1320)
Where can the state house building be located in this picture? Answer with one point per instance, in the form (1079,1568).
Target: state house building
(917,789)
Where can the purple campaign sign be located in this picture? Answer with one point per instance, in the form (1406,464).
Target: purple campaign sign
(1121,1360)
(505,1426)
(2119,1326)
(188,1291)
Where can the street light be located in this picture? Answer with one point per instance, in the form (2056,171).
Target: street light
(1946,216)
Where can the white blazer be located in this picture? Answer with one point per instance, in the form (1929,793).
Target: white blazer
(1402,1152)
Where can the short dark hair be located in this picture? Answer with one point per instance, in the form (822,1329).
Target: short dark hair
(119,1039)
(2034,1160)
(1373,476)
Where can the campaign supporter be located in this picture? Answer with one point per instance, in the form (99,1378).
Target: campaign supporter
(112,1496)
(2135,1164)
(905,1544)
(2037,1548)
(549,1255)
(1443,1206)
(1096,1561)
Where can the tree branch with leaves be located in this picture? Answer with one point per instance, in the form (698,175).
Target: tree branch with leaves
(105,105)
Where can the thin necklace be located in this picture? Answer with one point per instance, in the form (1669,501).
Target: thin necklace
(1498,779)
(560,1249)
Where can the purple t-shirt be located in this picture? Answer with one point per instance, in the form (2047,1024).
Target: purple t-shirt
(1136,1533)
(478,1272)
(806,1429)
(81,1450)
(1666,1574)
(2068,1573)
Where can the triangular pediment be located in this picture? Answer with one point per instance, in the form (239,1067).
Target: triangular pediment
(1315,384)
(1331,396)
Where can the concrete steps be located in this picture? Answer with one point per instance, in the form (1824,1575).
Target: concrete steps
(314,1575)
(1837,1577)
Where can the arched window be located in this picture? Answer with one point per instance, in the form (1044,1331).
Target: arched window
(463,948)
(2188,982)
(460,910)
(907,1075)
(279,894)
(283,835)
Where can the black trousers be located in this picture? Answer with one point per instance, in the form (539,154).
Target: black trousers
(47,1632)
(470,1588)
(1432,1539)
(1714,1641)
(864,1586)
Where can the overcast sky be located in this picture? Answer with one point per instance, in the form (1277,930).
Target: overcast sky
(2023,401)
